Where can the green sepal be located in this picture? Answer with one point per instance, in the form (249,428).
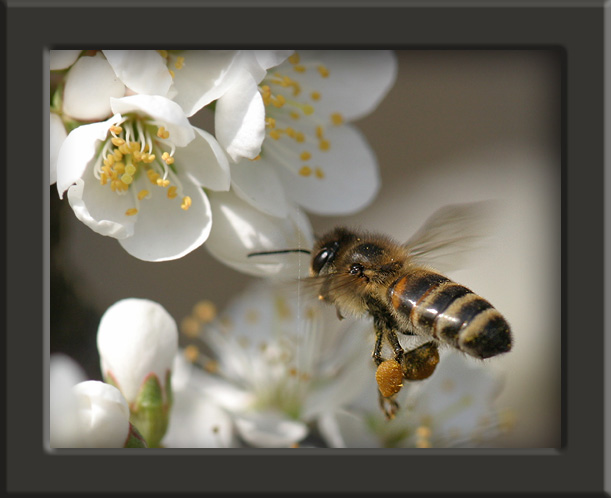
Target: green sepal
(134,438)
(150,411)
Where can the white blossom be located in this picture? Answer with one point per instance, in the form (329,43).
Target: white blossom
(136,338)
(138,177)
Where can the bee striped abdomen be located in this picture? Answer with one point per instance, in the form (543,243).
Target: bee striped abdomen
(436,306)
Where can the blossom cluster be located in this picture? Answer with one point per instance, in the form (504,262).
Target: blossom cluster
(124,151)
(272,371)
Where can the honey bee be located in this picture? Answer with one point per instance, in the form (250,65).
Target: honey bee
(362,273)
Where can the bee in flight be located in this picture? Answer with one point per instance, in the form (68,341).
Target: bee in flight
(365,273)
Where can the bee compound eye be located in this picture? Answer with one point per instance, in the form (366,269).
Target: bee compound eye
(321,259)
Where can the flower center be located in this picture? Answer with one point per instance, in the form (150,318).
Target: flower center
(134,147)
(293,116)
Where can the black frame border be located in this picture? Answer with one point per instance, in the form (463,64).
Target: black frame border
(580,29)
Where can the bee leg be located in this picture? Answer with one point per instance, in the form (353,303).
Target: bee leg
(420,363)
(388,405)
(377,350)
(394,343)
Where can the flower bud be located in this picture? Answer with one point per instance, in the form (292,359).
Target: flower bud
(137,342)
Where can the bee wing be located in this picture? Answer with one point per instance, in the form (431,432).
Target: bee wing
(450,236)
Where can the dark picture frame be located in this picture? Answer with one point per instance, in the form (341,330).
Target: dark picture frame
(578,29)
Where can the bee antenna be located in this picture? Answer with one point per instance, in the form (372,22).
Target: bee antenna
(282,251)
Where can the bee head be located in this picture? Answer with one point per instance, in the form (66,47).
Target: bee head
(327,248)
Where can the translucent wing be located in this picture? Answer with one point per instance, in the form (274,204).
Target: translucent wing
(453,234)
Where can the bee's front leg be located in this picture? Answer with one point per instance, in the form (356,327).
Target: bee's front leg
(377,349)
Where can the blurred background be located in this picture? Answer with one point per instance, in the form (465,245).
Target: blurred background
(457,126)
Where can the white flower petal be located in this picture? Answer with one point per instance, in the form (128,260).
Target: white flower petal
(257,183)
(62,59)
(78,149)
(271,58)
(143,71)
(162,110)
(196,422)
(64,373)
(344,429)
(205,161)
(350,175)
(57,135)
(358,79)
(103,415)
(89,85)
(204,77)
(240,230)
(270,430)
(163,230)
(101,209)
(224,393)
(136,337)
(239,119)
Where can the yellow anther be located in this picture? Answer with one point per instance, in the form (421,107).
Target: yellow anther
(308,109)
(300,137)
(117,141)
(119,168)
(295,58)
(275,134)
(279,101)
(324,72)
(171,73)
(205,311)
(163,53)
(256,158)
(162,183)
(290,132)
(266,94)
(172,192)
(186,203)
(191,353)
(337,119)
(117,155)
(179,62)
(131,212)
(324,145)
(149,158)
(320,174)
(153,176)
(305,171)
(294,115)
(190,327)
(130,170)
(305,155)
(299,68)
(137,156)
(162,132)
(124,149)
(142,194)
(103,178)
(134,146)
(320,132)
(115,129)
(167,158)
(315,95)
(127,179)
(271,122)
